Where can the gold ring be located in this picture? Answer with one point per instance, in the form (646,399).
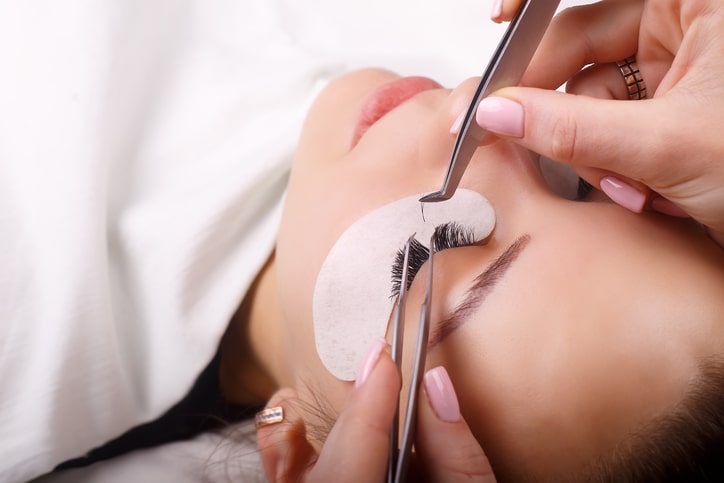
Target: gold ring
(632,76)
(269,416)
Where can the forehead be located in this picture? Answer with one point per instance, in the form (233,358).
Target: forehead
(583,341)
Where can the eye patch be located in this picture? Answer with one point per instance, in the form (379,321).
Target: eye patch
(352,305)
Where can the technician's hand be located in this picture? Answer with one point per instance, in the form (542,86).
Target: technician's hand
(356,449)
(665,153)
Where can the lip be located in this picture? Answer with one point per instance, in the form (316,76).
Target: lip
(387,97)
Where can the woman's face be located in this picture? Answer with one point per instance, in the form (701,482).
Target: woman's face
(595,326)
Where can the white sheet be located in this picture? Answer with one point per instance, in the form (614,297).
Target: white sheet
(229,456)
(144,147)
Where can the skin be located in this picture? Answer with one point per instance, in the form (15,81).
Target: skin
(596,328)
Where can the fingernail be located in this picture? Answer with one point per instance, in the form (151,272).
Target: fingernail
(497,10)
(667,207)
(501,116)
(441,394)
(455,128)
(370,360)
(623,193)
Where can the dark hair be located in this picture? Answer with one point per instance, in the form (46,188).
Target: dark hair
(686,445)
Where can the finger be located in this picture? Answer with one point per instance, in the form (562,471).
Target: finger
(639,140)
(359,440)
(583,35)
(602,81)
(504,10)
(716,235)
(284,450)
(667,207)
(631,194)
(584,131)
(448,450)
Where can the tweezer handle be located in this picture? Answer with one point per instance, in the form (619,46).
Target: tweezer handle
(408,433)
(398,326)
(506,67)
(418,369)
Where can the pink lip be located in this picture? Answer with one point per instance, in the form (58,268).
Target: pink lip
(387,97)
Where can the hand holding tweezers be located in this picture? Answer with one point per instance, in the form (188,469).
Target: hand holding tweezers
(399,460)
(506,67)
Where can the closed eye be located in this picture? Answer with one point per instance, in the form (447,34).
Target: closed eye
(562,180)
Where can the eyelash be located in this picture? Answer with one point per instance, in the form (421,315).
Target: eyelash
(447,235)
(584,187)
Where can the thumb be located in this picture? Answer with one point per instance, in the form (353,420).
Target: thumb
(358,445)
(623,137)
(449,451)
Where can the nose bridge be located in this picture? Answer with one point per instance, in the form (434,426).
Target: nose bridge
(497,166)
(510,179)
(502,172)
(437,140)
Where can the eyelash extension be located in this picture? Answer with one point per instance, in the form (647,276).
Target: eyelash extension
(452,235)
(447,235)
(584,187)
(419,253)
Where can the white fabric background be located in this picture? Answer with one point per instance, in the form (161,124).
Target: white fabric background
(144,148)
(230,456)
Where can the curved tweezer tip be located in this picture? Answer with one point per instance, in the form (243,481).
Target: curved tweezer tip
(466,143)
(435,197)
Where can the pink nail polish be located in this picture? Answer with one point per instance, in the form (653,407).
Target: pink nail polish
(455,128)
(370,360)
(662,205)
(441,394)
(497,9)
(623,193)
(501,116)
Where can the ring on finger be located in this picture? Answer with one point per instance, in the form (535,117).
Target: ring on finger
(269,416)
(635,84)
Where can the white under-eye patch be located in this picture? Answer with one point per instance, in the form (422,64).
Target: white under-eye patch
(352,303)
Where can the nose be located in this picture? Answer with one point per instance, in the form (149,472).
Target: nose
(436,153)
(501,171)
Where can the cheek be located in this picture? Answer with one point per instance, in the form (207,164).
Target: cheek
(309,226)
(313,219)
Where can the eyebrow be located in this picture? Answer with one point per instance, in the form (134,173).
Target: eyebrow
(482,286)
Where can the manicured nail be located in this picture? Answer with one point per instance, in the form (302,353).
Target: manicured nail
(441,394)
(667,207)
(497,10)
(455,128)
(501,116)
(370,360)
(623,193)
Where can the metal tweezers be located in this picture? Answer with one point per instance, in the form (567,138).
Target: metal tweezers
(399,460)
(506,67)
